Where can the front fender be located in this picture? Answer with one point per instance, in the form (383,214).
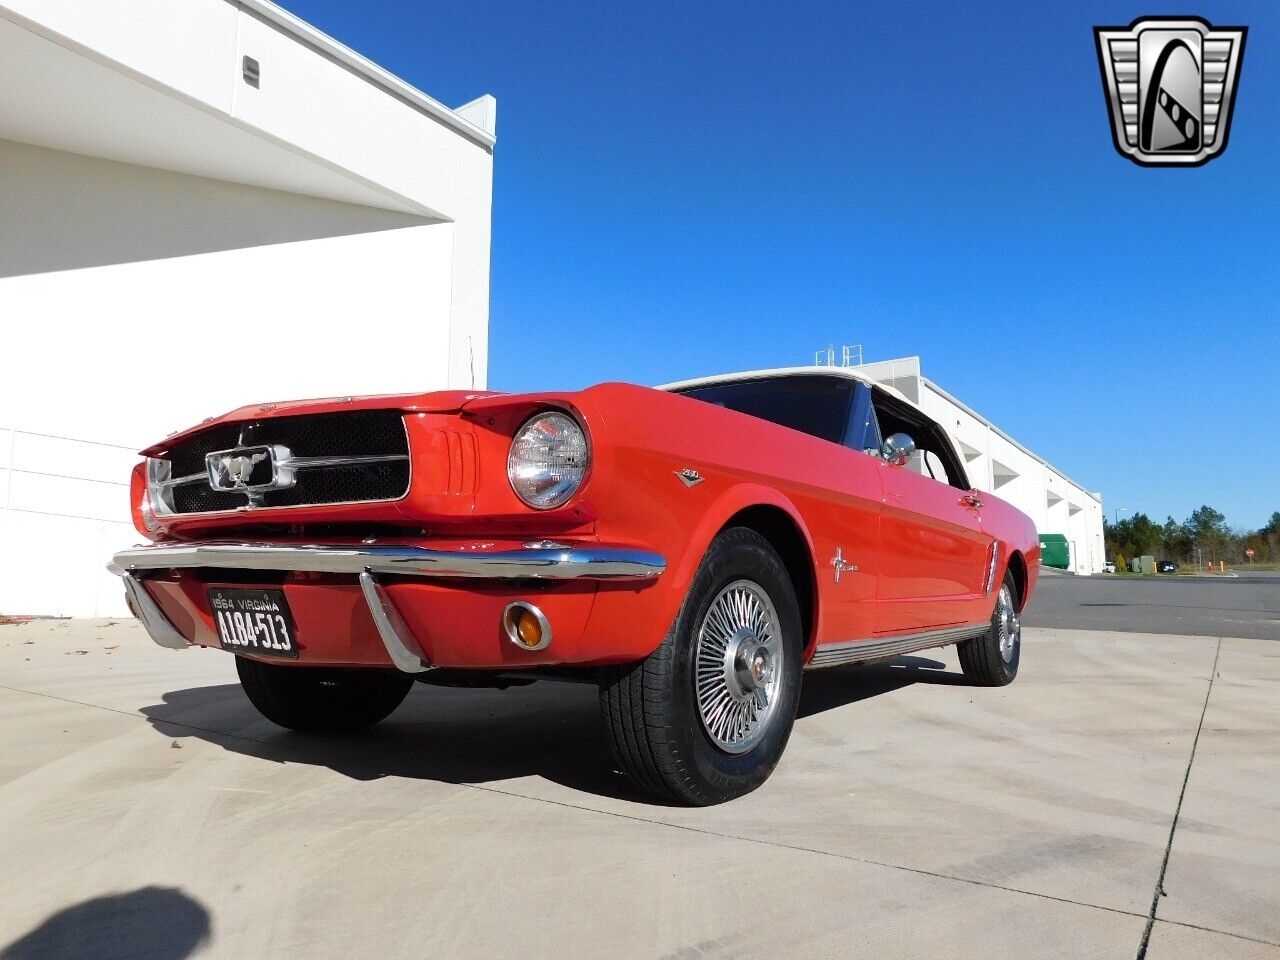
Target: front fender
(628,623)
(730,503)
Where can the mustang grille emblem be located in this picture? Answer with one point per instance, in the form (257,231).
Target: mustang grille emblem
(241,469)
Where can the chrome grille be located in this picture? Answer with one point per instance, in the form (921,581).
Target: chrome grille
(355,456)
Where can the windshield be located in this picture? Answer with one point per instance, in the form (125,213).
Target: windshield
(816,405)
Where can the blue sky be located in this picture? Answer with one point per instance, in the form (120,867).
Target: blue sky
(692,188)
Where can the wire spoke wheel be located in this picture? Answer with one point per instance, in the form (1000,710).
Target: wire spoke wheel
(1008,627)
(738,666)
(706,716)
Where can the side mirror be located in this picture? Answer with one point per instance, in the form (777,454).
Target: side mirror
(897,449)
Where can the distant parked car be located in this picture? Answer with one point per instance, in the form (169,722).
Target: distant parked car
(1109,567)
(1167,566)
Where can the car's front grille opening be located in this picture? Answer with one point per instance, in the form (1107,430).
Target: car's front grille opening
(353,456)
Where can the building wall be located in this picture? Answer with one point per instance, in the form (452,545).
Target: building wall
(63,512)
(270,296)
(402,150)
(63,211)
(158,83)
(179,237)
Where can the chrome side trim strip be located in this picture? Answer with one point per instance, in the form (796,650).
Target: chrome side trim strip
(153,619)
(587,562)
(990,583)
(856,651)
(402,647)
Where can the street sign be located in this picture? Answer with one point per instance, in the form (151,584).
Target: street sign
(1249,553)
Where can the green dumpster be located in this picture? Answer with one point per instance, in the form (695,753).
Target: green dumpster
(1055,551)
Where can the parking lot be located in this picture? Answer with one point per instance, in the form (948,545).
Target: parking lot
(147,811)
(1244,605)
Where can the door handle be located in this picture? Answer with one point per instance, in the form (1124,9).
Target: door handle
(972,500)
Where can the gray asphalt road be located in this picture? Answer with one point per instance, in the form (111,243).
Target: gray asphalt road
(1248,606)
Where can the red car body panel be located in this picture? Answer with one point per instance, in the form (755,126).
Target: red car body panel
(921,554)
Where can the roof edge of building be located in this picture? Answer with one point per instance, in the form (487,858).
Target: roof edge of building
(327,45)
(1001,433)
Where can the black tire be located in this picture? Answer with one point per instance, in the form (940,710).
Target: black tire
(653,723)
(983,659)
(321,699)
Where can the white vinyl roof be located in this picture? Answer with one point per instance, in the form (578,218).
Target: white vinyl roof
(810,371)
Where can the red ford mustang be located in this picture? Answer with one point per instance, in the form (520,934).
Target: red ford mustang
(691,549)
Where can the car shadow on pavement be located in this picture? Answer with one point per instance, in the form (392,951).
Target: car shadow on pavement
(159,923)
(549,729)
(839,686)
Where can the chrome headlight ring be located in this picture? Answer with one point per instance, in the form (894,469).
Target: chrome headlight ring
(549,459)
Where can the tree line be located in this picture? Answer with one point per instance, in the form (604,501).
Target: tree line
(1202,536)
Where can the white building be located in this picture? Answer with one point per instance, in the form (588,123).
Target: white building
(206,203)
(1000,464)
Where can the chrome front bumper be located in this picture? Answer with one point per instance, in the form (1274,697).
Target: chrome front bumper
(536,563)
(367,562)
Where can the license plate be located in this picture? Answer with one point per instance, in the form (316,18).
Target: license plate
(253,621)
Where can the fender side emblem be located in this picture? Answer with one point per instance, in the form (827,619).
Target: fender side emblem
(841,565)
(689,477)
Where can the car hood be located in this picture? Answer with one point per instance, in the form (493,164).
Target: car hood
(440,401)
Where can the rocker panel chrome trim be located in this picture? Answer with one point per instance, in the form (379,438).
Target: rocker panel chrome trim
(856,651)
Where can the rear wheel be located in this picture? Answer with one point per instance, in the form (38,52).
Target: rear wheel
(706,716)
(991,660)
(321,699)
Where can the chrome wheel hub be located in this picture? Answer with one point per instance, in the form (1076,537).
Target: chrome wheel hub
(738,666)
(1008,627)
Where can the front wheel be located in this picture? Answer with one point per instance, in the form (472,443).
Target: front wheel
(991,660)
(706,716)
(321,699)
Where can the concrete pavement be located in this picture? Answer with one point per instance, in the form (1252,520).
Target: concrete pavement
(146,810)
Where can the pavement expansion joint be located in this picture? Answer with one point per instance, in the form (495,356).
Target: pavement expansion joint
(1177,810)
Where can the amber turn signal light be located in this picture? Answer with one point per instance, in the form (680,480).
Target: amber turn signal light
(526,626)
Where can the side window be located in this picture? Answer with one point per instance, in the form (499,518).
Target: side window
(934,467)
(941,461)
(934,457)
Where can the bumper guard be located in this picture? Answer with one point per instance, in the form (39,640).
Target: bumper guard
(367,562)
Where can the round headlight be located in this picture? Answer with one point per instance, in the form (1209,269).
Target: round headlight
(548,460)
